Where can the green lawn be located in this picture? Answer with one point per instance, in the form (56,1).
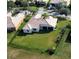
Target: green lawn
(10,35)
(64,53)
(39,41)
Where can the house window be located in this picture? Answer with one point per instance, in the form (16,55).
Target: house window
(45,28)
(27,30)
(50,28)
(34,29)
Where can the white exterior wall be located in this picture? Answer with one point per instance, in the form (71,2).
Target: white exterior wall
(37,30)
(58,1)
(25,31)
(30,30)
(12,0)
(45,25)
(42,25)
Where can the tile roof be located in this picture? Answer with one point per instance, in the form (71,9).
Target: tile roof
(17,19)
(51,21)
(36,22)
(9,22)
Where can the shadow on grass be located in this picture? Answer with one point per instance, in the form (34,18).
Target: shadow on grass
(21,33)
(13,38)
(10,31)
(68,40)
(27,48)
(26,21)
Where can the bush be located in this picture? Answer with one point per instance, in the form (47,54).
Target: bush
(69,26)
(60,5)
(58,39)
(50,51)
(69,6)
(24,4)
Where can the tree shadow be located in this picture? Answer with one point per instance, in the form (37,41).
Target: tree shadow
(21,33)
(68,40)
(12,38)
(43,32)
(10,31)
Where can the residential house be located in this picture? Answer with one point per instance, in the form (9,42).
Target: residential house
(37,23)
(13,22)
(60,1)
(42,1)
(12,0)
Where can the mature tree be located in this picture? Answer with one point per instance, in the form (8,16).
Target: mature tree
(10,4)
(24,4)
(65,11)
(69,6)
(60,5)
(18,3)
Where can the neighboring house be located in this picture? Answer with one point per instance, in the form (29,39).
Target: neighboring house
(60,1)
(42,1)
(12,0)
(14,22)
(37,23)
(26,12)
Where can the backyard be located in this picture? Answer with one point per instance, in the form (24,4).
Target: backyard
(39,45)
(35,41)
(64,53)
(32,46)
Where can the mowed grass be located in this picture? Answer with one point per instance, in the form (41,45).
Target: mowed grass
(64,53)
(39,41)
(10,35)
